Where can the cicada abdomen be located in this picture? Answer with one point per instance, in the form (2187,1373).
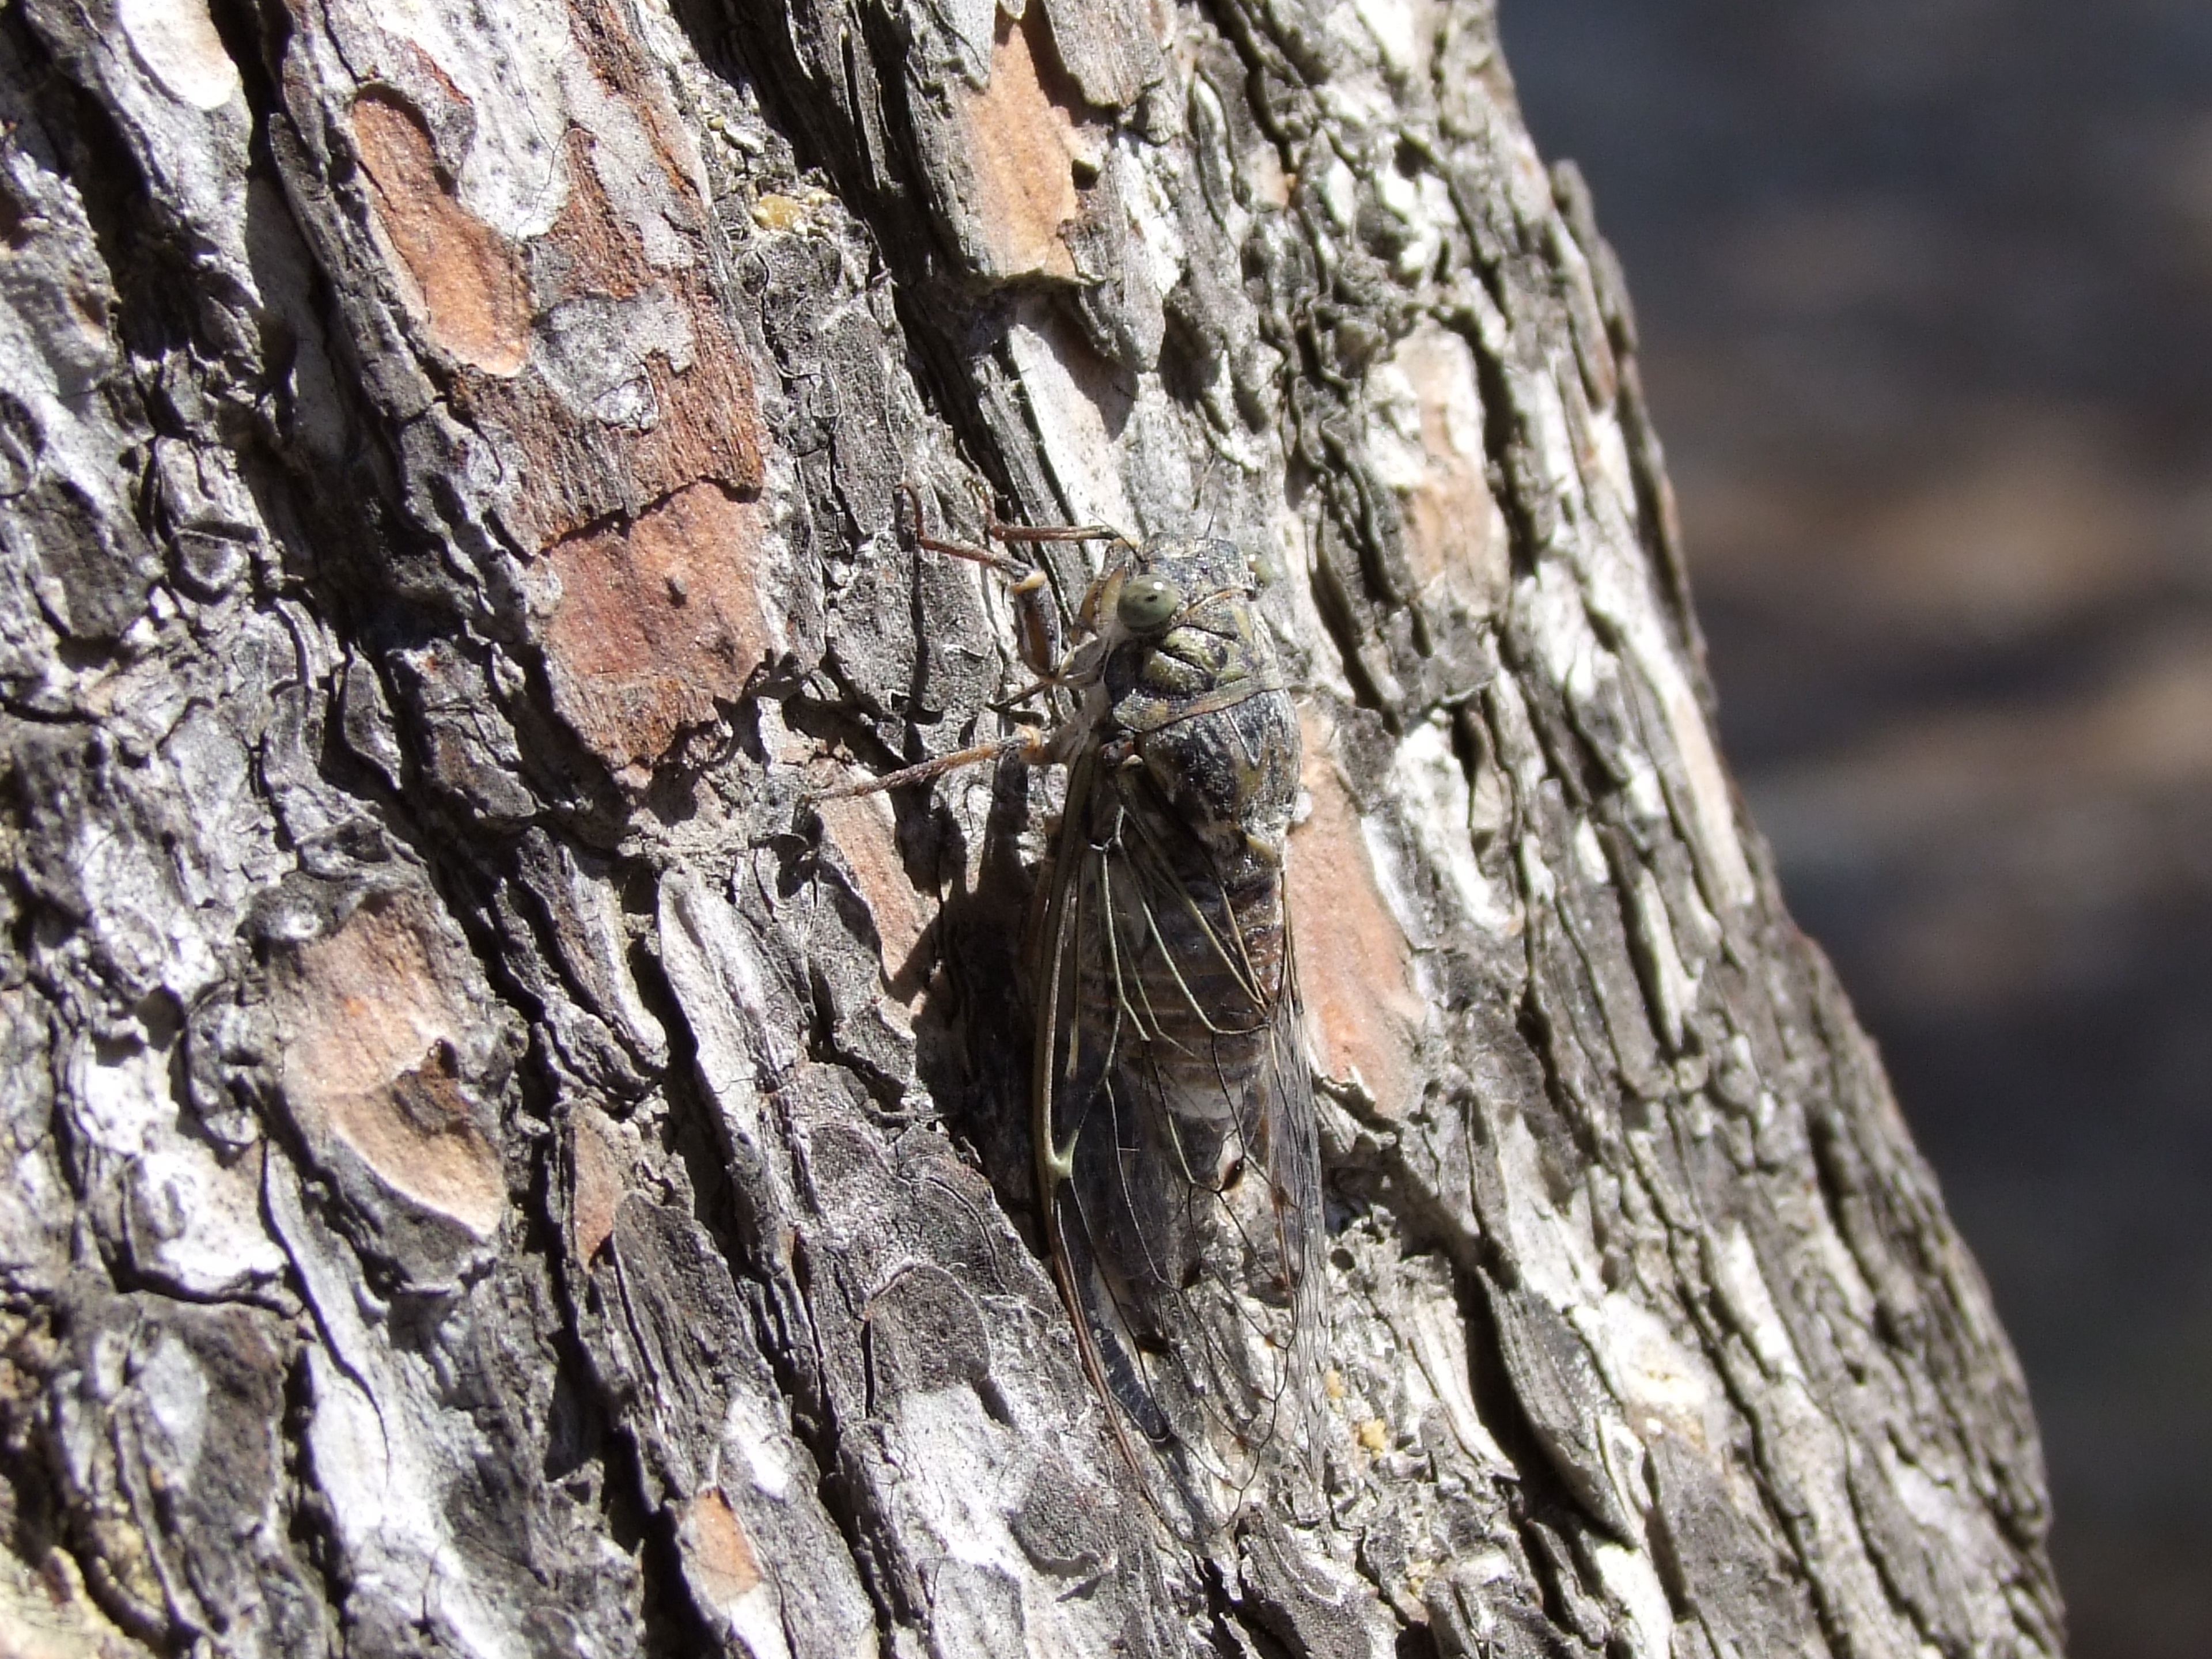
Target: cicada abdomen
(1176,1147)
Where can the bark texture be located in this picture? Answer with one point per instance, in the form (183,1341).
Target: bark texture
(493,1171)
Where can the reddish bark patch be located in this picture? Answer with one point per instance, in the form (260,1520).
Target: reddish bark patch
(868,839)
(594,358)
(1024,147)
(371,1022)
(637,387)
(460,279)
(1363,1015)
(599,1165)
(658,620)
(714,1543)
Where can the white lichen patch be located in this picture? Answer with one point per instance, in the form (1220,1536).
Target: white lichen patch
(1079,404)
(177,42)
(1426,773)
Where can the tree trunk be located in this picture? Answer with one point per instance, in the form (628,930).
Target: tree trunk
(499,1169)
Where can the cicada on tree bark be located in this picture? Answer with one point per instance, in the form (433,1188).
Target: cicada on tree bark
(1177,1153)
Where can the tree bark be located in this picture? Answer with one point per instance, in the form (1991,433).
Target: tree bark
(495,1170)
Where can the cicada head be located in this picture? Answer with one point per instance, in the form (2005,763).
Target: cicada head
(1176,617)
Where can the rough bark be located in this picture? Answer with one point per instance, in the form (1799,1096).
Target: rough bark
(494,1171)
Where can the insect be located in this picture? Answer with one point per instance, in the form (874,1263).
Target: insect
(1172,1108)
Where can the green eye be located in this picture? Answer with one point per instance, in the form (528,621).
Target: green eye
(1148,604)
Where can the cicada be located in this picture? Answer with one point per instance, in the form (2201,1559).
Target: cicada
(1177,1155)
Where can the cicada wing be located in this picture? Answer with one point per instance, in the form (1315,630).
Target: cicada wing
(1174,1088)
(1081,1115)
(1291,1135)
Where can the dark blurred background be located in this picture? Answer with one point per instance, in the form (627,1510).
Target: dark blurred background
(1925,288)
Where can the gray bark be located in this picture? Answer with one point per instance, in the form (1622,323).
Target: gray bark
(493,1171)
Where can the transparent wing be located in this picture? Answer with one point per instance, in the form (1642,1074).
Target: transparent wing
(1174,1118)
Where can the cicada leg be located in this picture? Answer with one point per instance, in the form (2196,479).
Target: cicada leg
(1036,614)
(1037,609)
(1037,620)
(1032,748)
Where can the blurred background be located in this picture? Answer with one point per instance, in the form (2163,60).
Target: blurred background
(1925,288)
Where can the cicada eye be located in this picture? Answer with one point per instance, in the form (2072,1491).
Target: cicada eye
(1148,604)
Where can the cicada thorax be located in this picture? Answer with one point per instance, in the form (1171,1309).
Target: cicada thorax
(1179,1087)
